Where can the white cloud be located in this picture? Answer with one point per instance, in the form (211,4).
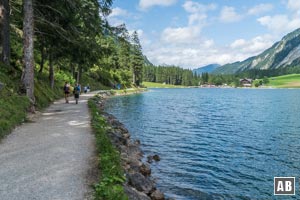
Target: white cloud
(189,34)
(283,23)
(180,35)
(197,18)
(117,16)
(197,11)
(238,43)
(116,12)
(260,8)
(228,15)
(254,46)
(293,5)
(146,4)
(192,56)
(194,7)
(185,45)
(200,51)
(280,23)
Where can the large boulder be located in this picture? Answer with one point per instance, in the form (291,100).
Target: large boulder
(145,169)
(141,183)
(117,137)
(133,194)
(157,195)
(154,157)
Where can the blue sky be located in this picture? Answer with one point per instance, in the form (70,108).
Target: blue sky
(194,33)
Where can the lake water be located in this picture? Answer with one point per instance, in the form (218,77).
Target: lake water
(216,143)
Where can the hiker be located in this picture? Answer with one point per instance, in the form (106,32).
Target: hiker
(88,88)
(85,89)
(67,91)
(76,92)
(80,88)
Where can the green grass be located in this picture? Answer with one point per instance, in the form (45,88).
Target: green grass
(110,186)
(94,85)
(286,81)
(14,106)
(44,95)
(160,85)
(12,111)
(128,91)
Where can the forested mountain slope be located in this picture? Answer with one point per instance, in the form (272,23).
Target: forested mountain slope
(285,53)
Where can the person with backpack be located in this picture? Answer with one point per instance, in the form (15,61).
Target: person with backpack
(76,92)
(67,91)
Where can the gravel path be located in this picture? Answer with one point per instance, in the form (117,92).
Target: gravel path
(50,158)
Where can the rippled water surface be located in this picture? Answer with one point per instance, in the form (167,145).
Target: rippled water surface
(216,143)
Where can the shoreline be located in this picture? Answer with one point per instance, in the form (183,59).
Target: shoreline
(129,91)
(139,183)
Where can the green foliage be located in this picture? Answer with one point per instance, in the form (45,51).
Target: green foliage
(265,80)
(13,106)
(63,76)
(13,110)
(137,59)
(160,85)
(170,75)
(45,95)
(286,81)
(94,84)
(110,186)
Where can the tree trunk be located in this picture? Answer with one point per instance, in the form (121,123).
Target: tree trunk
(133,77)
(5,32)
(1,27)
(51,70)
(73,70)
(79,73)
(28,57)
(42,58)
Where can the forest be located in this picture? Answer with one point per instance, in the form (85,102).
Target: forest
(170,75)
(67,40)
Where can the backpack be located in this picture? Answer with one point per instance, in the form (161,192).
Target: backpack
(76,90)
(66,88)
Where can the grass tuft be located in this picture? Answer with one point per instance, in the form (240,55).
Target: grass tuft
(110,186)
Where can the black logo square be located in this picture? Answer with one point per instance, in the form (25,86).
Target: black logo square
(284,185)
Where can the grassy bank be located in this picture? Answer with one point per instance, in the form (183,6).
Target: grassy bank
(160,85)
(14,106)
(286,81)
(110,186)
(128,91)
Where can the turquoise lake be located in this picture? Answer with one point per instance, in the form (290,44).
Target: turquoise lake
(216,143)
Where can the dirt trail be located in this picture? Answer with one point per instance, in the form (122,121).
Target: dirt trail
(51,157)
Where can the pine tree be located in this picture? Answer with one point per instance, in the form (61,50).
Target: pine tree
(137,60)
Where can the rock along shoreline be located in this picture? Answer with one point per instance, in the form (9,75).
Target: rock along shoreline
(139,184)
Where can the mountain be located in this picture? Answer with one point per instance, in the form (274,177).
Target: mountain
(284,53)
(208,68)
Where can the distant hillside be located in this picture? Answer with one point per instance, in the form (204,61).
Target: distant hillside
(286,81)
(285,53)
(208,68)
